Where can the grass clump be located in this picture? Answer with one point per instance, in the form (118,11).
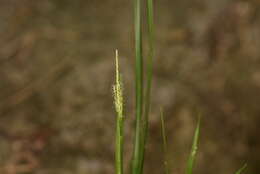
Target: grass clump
(143,100)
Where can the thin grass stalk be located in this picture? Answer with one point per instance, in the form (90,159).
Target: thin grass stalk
(149,73)
(241,169)
(118,99)
(136,161)
(194,148)
(165,149)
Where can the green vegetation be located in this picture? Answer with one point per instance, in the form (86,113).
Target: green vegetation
(166,167)
(143,97)
(194,148)
(118,99)
(241,169)
(138,150)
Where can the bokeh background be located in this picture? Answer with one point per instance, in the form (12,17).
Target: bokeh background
(57,69)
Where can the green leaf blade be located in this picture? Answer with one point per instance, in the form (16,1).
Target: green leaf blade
(241,169)
(137,152)
(165,149)
(194,148)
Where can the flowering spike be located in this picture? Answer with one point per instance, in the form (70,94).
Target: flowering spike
(117,89)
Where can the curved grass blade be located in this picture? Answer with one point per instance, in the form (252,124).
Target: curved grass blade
(149,75)
(118,100)
(165,150)
(241,169)
(194,148)
(138,150)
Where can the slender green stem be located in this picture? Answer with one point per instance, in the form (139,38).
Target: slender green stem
(119,145)
(241,169)
(165,150)
(136,163)
(149,72)
(194,148)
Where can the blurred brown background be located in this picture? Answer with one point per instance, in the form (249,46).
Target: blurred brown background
(57,69)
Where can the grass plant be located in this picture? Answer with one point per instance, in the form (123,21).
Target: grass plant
(118,100)
(143,101)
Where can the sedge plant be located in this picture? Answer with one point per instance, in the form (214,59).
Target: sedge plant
(142,95)
(143,84)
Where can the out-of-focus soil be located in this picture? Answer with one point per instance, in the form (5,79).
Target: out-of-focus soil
(57,69)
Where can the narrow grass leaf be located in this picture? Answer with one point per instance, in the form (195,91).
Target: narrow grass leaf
(194,148)
(138,150)
(241,169)
(165,150)
(149,75)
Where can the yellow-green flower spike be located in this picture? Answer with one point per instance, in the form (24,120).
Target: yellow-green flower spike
(117,89)
(118,99)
